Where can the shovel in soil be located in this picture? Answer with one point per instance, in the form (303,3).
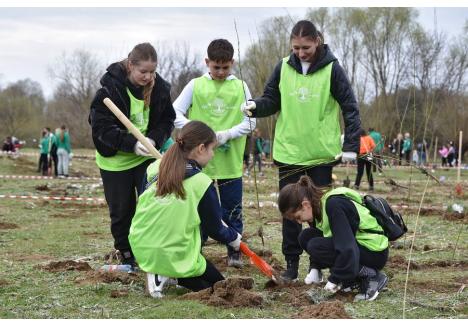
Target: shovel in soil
(262,265)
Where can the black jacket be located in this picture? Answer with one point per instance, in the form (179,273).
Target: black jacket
(340,88)
(109,134)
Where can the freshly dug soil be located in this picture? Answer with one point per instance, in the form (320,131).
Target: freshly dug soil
(324,310)
(66,265)
(3,282)
(458,217)
(400,262)
(232,292)
(6,226)
(119,293)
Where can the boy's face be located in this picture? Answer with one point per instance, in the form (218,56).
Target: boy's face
(219,70)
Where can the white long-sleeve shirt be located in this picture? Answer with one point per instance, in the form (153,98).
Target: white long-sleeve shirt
(184,102)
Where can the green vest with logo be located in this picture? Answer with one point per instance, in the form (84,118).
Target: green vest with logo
(165,232)
(308,127)
(372,241)
(139,116)
(217,104)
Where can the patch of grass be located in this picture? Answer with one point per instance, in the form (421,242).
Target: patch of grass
(56,231)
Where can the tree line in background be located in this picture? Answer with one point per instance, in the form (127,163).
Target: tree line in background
(406,79)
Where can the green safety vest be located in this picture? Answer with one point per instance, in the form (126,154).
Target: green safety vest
(217,104)
(372,241)
(139,116)
(165,232)
(308,127)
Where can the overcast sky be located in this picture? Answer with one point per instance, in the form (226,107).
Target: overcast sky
(31,39)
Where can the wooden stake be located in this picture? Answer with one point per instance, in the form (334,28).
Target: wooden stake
(435,151)
(131,128)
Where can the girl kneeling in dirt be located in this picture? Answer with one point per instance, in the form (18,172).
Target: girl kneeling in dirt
(335,239)
(165,231)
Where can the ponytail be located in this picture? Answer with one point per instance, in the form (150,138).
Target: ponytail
(292,195)
(174,161)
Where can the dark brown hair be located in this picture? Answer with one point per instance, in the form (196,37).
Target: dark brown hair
(172,168)
(291,196)
(220,50)
(305,28)
(143,52)
(62,133)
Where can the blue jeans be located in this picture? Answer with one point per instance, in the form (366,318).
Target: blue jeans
(230,195)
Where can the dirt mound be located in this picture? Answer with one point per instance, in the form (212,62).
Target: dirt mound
(66,265)
(455,216)
(400,262)
(3,282)
(232,292)
(93,277)
(6,226)
(42,187)
(119,293)
(324,310)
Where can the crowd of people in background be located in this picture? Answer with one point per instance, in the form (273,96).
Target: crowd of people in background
(55,152)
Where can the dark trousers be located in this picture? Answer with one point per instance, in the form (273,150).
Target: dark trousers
(361,163)
(43,164)
(230,195)
(321,176)
(204,281)
(257,158)
(377,162)
(323,254)
(54,158)
(120,190)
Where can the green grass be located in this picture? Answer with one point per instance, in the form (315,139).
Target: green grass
(55,231)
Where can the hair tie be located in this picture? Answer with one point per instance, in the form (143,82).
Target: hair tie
(179,141)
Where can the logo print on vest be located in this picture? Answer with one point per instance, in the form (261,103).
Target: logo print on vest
(303,94)
(138,118)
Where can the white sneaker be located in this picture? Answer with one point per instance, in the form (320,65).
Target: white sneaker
(315,276)
(153,288)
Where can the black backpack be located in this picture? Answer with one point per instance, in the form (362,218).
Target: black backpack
(391,222)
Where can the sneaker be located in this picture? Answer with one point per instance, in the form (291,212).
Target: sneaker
(234,260)
(154,285)
(291,272)
(127,258)
(372,286)
(315,276)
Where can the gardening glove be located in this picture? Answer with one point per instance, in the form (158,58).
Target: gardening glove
(248,107)
(346,156)
(223,137)
(235,244)
(141,150)
(332,287)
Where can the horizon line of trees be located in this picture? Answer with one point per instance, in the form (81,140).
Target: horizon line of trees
(406,78)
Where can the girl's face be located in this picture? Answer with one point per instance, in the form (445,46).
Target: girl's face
(304,47)
(303,214)
(143,73)
(203,154)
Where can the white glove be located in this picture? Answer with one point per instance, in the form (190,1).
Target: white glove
(223,137)
(314,276)
(247,107)
(141,150)
(332,287)
(346,157)
(235,244)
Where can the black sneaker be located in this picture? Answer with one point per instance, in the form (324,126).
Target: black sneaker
(127,258)
(234,259)
(291,272)
(372,286)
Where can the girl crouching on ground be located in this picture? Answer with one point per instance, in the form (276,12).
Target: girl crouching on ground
(340,237)
(165,231)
